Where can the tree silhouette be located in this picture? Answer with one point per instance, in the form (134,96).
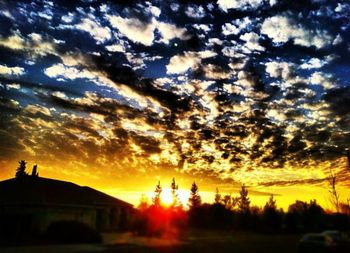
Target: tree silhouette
(227,201)
(270,215)
(21,170)
(174,189)
(217,198)
(304,216)
(345,207)
(334,195)
(271,204)
(195,199)
(156,197)
(244,202)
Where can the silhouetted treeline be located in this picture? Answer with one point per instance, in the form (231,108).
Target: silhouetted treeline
(237,213)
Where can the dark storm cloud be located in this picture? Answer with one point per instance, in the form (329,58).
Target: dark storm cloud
(143,86)
(339,100)
(148,144)
(48,87)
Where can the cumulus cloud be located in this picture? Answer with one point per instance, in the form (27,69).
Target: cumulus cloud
(203,27)
(34,44)
(239,4)
(15,71)
(98,32)
(216,72)
(115,48)
(134,29)
(141,32)
(67,72)
(313,63)
(68,18)
(170,31)
(281,29)
(252,41)
(322,79)
(236,26)
(15,42)
(181,63)
(283,70)
(196,12)
(228,29)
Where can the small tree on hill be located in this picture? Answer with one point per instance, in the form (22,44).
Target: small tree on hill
(21,170)
(195,199)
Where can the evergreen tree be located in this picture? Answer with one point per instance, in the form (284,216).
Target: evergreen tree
(21,170)
(271,204)
(195,199)
(234,202)
(227,202)
(244,202)
(156,197)
(217,199)
(271,217)
(174,189)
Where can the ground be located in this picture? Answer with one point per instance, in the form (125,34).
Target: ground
(193,242)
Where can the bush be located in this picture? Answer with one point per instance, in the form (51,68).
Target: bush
(71,232)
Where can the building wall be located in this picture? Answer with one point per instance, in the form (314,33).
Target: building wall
(83,215)
(36,219)
(19,220)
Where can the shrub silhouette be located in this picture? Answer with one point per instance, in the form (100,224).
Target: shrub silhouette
(71,232)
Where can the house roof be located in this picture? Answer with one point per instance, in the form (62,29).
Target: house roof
(45,191)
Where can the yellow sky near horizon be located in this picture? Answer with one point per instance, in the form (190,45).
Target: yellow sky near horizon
(130,189)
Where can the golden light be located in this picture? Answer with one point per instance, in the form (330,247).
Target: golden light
(166,197)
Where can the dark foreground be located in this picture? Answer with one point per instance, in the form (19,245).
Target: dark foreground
(213,242)
(217,243)
(192,242)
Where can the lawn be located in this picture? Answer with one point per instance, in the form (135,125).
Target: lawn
(211,241)
(189,242)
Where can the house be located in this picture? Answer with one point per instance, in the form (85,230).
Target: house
(29,204)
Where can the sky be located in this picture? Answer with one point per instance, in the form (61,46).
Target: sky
(117,95)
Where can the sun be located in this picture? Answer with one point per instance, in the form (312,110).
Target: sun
(167,197)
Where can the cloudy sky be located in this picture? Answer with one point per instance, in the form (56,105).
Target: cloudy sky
(119,94)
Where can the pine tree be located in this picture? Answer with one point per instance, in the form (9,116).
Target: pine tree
(156,197)
(21,170)
(227,201)
(174,189)
(271,204)
(195,199)
(244,202)
(217,199)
